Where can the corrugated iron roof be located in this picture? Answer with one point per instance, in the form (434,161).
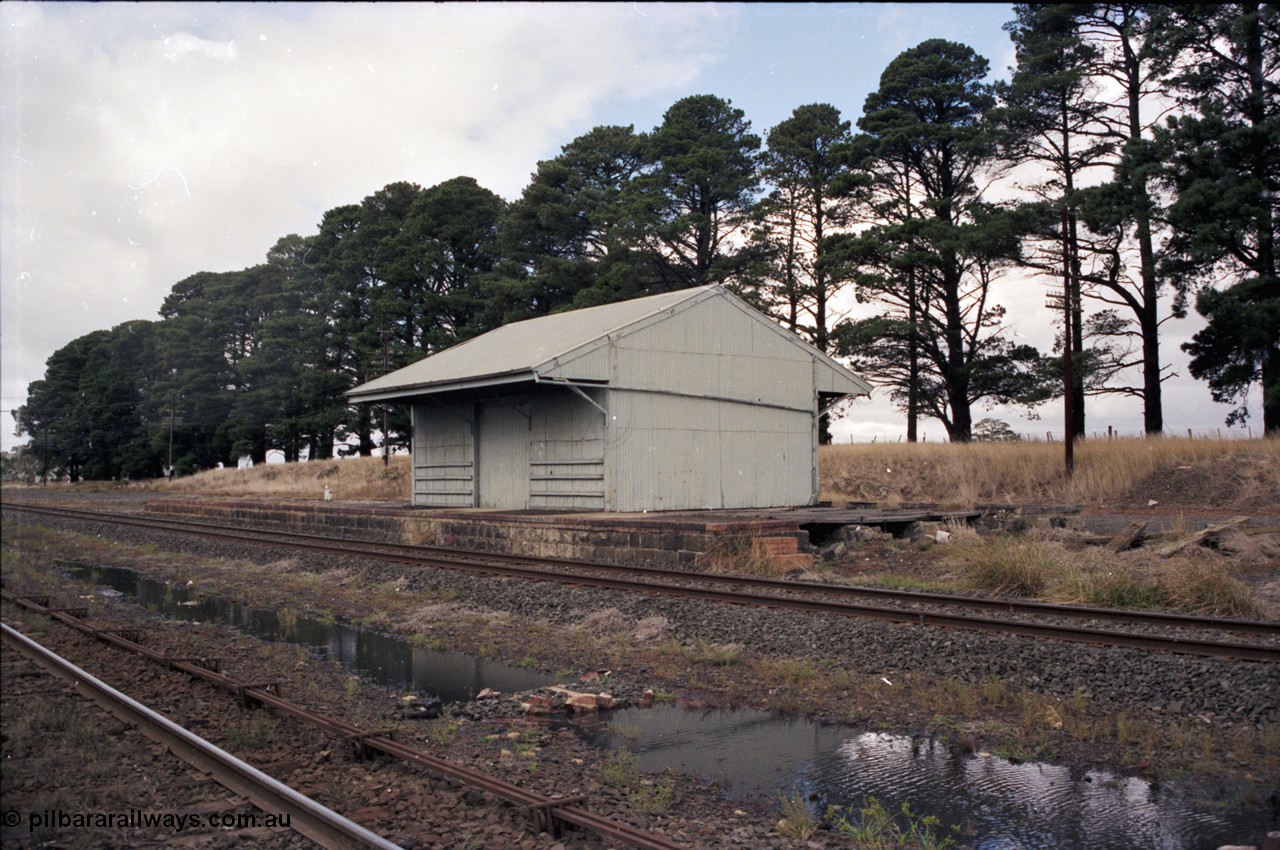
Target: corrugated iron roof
(534,348)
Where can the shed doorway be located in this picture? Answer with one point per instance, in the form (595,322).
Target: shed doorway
(503,454)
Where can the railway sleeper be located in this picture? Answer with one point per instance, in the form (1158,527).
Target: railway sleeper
(248,699)
(542,816)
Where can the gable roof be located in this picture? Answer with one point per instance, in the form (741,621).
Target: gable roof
(534,348)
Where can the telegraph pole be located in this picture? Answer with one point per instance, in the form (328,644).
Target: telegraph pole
(169,469)
(386,367)
(1068,379)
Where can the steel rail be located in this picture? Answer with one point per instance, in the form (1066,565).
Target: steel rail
(547,809)
(307,817)
(422,553)
(724,590)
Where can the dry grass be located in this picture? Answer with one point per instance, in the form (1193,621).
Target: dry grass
(1106,472)
(1043,565)
(350,479)
(1007,566)
(739,555)
(946,474)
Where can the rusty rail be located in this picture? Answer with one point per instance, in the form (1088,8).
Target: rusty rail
(307,817)
(544,810)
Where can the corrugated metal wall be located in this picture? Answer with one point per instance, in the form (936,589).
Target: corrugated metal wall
(543,448)
(503,458)
(679,453)
(713,410)
(566,451)
(443,455)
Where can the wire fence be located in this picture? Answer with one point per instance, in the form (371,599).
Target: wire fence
(1247,433)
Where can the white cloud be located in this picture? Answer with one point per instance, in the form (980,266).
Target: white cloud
(148,142)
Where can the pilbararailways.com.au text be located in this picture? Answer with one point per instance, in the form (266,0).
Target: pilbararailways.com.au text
(138,819)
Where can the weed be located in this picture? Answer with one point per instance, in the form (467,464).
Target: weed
(628,732)
(288,620)
(653,796)
(1207,589)
(528,662)
(798,820)
(621,771)
(38,624)
(740,554)
(718,654)
(252,734)
(994,691)
(877,828)
(1122,589)
(442,730)
(1007,566)
(894,582)
(1271,740)
(1026,471)
(952,696)
(351,687)
(793,672)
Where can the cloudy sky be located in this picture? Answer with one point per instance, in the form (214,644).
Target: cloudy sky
(146,142)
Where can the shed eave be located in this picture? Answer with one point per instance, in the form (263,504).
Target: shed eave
(432,388)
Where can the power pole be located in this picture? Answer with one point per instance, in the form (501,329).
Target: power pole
(386,367)
(1068,379)
(168,469)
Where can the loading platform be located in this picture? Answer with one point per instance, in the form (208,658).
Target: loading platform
(675,538)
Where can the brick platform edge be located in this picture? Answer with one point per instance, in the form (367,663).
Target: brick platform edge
(645,538)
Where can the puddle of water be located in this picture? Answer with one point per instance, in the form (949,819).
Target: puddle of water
(388,660)
(1003,806)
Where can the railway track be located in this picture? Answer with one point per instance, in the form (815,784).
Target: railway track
(546,813)
(1150,631)
(305,816)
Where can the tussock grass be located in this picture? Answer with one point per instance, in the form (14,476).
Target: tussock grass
(963,476)
(1008,566)
(739,554)
(1039,565)
(1202,588)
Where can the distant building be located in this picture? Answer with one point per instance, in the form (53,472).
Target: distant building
(690,399)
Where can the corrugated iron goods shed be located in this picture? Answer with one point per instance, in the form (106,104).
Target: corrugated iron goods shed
(689,399)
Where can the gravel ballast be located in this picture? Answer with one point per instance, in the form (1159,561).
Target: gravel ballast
(1159,687)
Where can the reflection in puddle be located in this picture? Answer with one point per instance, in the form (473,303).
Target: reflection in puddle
(387,660)
(999,804)
(1002,805)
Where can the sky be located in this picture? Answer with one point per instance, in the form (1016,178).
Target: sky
(147,142)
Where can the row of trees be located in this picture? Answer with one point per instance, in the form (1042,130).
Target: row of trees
(1137,144)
